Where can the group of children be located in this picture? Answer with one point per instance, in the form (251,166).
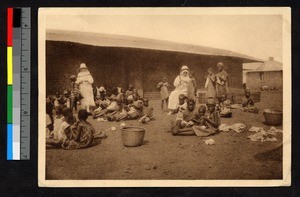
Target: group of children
(190,117)
(204,120)
(121,105)
(64,130)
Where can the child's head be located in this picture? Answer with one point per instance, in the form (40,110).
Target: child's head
(191,104)
(247,93)
(130,87)
(66,93)
(67,112)
(72,78)
(181,99)
(146,102)
(210,71)
(202,110)
(223,98)
(130,99)
(220,66)
(82,114)
(164,79)
(211,105)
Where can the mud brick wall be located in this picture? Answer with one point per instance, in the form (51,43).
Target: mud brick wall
(117,66)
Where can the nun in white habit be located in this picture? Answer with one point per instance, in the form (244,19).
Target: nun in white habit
(181,84)
(85,81)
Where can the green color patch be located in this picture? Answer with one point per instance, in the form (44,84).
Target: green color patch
(9,103)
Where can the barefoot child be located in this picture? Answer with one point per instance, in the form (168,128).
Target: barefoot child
(164,93)
(182,104)
(147,112)
(192,87)
(248,104)
(64,131)
(184,119)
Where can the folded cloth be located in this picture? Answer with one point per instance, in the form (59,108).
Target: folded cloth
(202,131)
(256,129)
(237,127)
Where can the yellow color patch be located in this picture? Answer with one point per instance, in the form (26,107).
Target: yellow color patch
(9,66)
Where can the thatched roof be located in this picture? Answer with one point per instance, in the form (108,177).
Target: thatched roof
(109,40)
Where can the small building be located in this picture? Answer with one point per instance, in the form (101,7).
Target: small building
(269,74)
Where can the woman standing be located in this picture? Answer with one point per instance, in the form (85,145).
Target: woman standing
(85,81)
(221,81)
(181,84)
(210,84)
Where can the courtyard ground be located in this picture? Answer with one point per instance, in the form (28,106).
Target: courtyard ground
(163,156)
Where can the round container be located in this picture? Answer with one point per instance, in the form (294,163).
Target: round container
(132,136)
(273,117)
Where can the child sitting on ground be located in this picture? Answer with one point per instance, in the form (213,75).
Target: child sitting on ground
(224,108)
(147,112)
(102,104)
(185,118)
(182,104)
(248,104)
(57,120)
(49,117)
(212,118)
(134,109)
(64,131)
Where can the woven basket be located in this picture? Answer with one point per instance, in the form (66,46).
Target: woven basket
(132,136)
(273,118)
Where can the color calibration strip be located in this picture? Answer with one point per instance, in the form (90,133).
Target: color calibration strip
(18,83)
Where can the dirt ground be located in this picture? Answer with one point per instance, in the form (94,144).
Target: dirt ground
(163,156)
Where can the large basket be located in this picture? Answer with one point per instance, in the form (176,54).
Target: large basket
(132,136)
(273,118)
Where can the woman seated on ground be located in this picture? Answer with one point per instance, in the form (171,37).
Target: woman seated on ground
(248,104)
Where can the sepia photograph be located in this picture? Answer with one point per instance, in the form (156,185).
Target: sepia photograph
(164,97)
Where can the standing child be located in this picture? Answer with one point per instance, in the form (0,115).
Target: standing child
(192,87)
(164,92)
(147,112)
(248,104)
(210,84)
(74,93)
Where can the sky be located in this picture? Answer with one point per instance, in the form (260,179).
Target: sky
(259,36)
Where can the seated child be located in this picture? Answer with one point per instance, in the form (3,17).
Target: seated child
(121,114)
(102,104)
(212,118)
(185,118)
(224,108)
(248,104)
(49,118)
(129,91)
(57,120)
(182,104)
(65,131)
(134,110)
(147,112)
